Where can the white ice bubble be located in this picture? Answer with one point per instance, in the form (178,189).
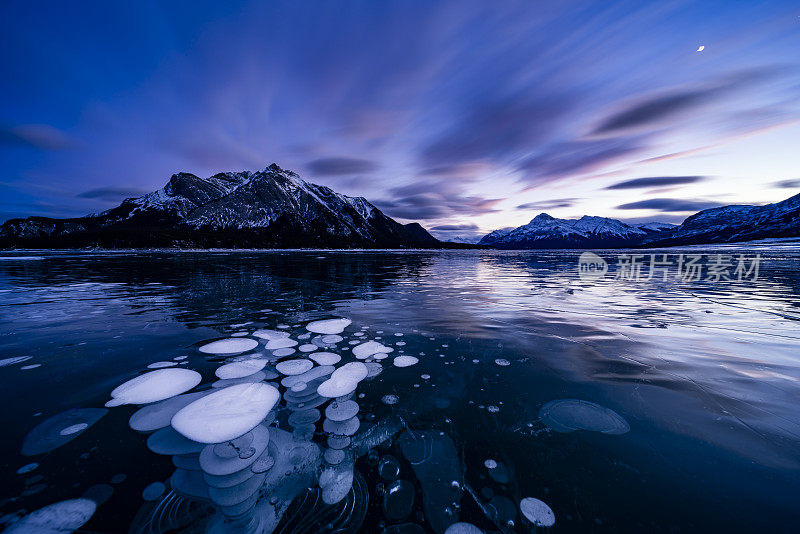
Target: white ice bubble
(325,358)
(156,385)
(27,468)
(226,414)
(282,353)
(502,362)
(58,518)
(347,427)
(568,415)
(328,326)
(308,347)
(161,365)
(537,512)
(332,339)
(294,367)
(490,464)
(281,343)
(270,334)
(229,346)
(405,361)
(240,369)
(367,349)
(344,380)
(74,429)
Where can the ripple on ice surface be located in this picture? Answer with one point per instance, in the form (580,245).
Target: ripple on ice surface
(568,415)
(61,517)
(155,386)
(240,369)
(328,326)
(226,414)
(229,346)
(537,512)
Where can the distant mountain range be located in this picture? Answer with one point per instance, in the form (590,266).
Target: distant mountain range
(273,208)
(545,231)
(716,225)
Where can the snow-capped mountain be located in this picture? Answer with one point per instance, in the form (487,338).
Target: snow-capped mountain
(271,208)
(730,224)
(545,231)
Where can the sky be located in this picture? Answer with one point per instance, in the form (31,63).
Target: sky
(463,115)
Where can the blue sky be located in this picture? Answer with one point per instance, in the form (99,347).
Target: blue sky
(463,115)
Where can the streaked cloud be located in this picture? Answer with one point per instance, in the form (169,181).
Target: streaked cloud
(656,181)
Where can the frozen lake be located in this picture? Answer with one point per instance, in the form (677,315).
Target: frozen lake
(677,401)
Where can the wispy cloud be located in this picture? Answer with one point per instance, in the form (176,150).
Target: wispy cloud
(670,205)
(656,181)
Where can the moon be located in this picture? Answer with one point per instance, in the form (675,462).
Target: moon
(701,48)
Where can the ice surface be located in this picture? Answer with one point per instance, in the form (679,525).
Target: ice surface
(226,414)
(58,518)
(325,358)
(568,415)
(405,361)
(156,385)
(294,367)
(240,369)
(344,380)
(537,512)
(229,346)
(367,349)
(328,326)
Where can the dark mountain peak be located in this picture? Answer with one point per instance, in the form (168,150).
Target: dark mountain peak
(541,218)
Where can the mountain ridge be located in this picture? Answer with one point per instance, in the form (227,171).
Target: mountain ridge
(273,208)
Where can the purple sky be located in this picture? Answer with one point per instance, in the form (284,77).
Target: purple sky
(465,116)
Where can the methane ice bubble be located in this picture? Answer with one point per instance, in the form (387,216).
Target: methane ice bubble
(269,334)
(490,464)
(226,414)
(367,349)
(161,365)
(341,428)
(214,464)
(27,468)
(325,358)
(332,339)
(255,377)
(60,429)
(153,491)
(61,517)
(229,346)
(390,400)
(568,415)
(405,361)
(156,385)
(294,367)
(340,411)
(463,528)
(328,326)
(537,512)
(168,442)
(281,343)
(344,380)
(282,353)
(502,362)
(240,369)
(308,347)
